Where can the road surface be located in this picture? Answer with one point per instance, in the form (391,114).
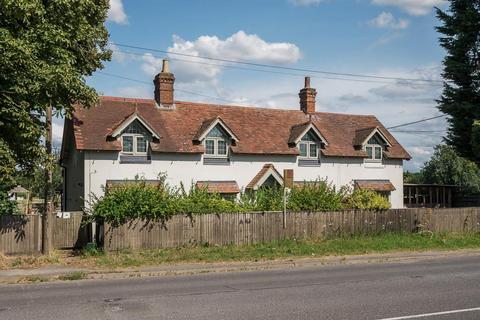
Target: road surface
(447,288)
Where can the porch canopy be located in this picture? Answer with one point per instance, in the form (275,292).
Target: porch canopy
(222,187)
(375,185)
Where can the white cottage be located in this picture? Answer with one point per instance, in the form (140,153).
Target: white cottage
(226,148)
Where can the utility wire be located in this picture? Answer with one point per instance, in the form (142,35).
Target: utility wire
(263,65)
(276,72)
(231,101)
(414,122)
(180,90)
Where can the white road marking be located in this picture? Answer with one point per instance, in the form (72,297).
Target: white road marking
(425,315)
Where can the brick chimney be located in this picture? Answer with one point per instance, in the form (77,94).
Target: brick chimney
(307,97)
(164,87)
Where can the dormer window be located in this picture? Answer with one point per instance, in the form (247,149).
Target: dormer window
(374,149)
(216,143)
(308,146)
(135,139)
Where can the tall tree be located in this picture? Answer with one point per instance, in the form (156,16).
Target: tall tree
(447,167)
(47,47)
(461,95)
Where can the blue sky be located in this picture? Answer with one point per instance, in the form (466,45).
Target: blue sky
(393,38)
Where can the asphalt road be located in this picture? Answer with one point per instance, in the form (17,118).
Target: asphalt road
(362,291)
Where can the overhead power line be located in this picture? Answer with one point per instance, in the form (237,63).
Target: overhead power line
(236,102)
(414,122)
(264,65)
(180,90)
(276,72)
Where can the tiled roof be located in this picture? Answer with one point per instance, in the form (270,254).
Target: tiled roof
(361,135)
(265,169)
(219,186)
(376,185)
(259,130)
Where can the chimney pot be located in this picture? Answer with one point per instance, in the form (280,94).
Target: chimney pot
(164,82)
(307,82)
(307,98)
(165,66)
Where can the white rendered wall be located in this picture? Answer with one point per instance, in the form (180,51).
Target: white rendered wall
(103,166)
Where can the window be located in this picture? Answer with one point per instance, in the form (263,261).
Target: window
(135,139)
(127,144)
(374,152)
(308,146)
(216,144)
(134,144)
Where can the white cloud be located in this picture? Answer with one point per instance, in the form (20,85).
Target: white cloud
(413,7)
(57,132)
(386,20)
(118,55)
(304,2)
(239,46)
(422,151)
(116,12)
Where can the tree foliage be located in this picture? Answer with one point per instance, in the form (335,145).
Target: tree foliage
(460,100)
(447,167)
(35,182)
(412,177)
(367,200)
(47,48)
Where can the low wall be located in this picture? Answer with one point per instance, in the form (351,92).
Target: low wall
(248,228)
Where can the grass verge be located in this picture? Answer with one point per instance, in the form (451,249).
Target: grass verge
(383,243)
(76,275)
(289,249)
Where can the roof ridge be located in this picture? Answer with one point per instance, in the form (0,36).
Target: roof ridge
(134,100)
(271,109)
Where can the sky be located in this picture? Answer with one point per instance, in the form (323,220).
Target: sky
(386,38)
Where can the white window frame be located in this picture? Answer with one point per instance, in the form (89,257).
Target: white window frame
(308,143)
(373,158)
(134,144)
(215,147)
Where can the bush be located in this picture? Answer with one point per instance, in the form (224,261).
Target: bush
(159,203)
(367,200)
(317,196)
(199,201)
(138,200)
(264,199)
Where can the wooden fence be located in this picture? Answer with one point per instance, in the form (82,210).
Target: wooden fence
(22,234)
(248,228)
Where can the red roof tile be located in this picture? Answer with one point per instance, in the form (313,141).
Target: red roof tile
(265,169)
(219,186)
(376,185)
(259,130)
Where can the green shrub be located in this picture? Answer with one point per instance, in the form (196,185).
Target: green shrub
(317,196)
(199,201)
(158,203)
(367,200)
(263,199)
(137,200)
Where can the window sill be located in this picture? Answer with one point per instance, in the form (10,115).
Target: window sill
(374,164)
(220,161)
(128,158)
(309,162)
